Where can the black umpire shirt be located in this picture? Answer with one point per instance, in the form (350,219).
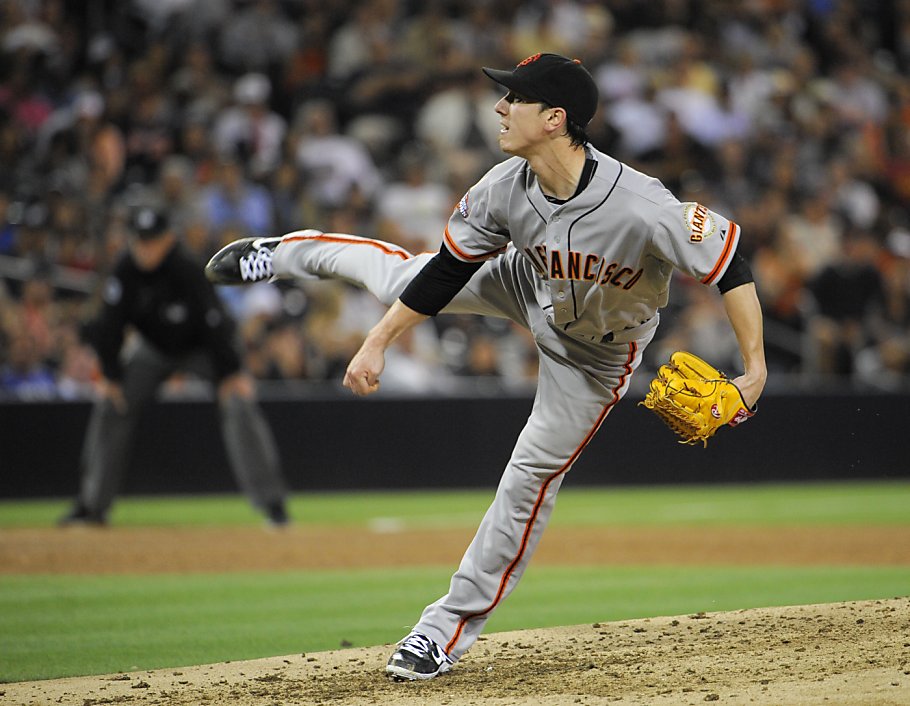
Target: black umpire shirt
(174,307)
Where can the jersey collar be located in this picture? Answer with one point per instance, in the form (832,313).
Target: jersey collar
(600,169)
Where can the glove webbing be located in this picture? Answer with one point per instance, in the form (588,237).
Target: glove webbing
(678,418)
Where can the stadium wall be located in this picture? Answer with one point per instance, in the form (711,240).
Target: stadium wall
(344,443)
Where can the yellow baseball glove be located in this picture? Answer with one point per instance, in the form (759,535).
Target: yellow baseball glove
(695,399)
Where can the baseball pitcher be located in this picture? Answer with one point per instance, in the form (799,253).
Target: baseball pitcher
(567,242)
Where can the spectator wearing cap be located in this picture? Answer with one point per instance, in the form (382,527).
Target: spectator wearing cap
(158,296)
(250,130)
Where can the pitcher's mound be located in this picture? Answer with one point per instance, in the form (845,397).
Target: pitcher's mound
(843,654)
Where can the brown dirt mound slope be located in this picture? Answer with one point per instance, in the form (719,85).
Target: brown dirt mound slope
(854,654)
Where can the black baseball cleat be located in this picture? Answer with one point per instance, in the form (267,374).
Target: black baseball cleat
(418,657)
(276,515)
(81,516)
(244,261)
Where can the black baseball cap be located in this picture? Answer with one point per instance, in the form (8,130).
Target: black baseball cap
(553,79)
(148,222)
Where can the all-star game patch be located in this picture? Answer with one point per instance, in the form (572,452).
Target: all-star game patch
(463,206)
(699,221)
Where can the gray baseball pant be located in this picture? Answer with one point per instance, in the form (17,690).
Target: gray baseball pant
(579,383)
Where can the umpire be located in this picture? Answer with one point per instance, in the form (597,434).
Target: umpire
(160,315)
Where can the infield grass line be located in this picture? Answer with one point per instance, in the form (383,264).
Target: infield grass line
(798,504)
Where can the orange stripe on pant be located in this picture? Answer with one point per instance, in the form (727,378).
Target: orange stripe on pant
(338,238)
(529,525)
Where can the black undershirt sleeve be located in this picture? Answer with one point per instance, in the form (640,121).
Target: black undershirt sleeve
(738,273)
(437,283)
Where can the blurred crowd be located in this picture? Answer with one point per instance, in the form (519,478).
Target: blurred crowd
(259,117)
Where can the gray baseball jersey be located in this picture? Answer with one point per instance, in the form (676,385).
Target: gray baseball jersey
(586,278)
(604,258)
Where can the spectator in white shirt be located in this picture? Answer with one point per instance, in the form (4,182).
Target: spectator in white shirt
(250,130)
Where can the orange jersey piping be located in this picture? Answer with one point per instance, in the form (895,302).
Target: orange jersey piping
(728,250)
(450,243)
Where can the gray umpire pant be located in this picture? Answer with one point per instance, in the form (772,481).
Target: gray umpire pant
(110,439)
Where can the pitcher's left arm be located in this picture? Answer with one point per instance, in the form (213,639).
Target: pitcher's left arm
(744,311)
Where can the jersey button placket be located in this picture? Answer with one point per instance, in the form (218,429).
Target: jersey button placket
(558,286)
(561,298)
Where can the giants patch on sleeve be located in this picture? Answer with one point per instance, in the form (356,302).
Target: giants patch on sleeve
(699,221)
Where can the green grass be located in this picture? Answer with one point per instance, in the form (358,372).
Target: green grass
(868,503)
(52,626)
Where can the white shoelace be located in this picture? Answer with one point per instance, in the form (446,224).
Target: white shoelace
(256,266)
(421,645)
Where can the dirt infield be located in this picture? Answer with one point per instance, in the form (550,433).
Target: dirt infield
(847,654)
(155,550)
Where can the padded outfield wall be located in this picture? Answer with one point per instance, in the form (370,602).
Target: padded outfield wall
(337,442)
